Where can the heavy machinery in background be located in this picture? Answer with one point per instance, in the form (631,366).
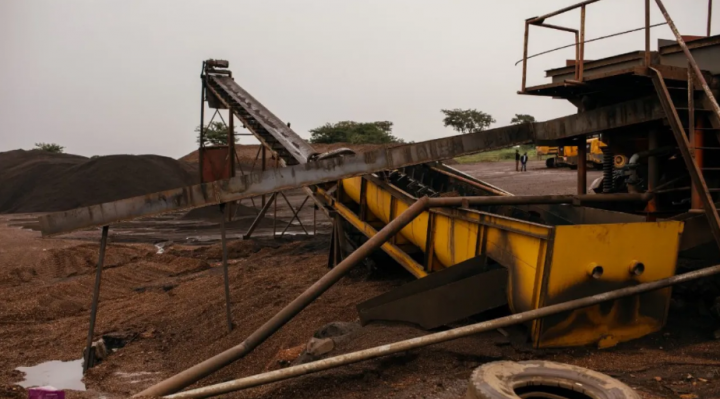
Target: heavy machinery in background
(567,156)
(473,246)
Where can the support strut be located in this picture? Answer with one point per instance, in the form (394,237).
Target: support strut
(96,298)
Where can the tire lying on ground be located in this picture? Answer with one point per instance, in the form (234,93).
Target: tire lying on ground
(541,379)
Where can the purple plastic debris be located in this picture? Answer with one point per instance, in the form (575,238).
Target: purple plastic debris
(45,393)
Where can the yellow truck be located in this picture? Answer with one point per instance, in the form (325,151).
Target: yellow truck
(567,156)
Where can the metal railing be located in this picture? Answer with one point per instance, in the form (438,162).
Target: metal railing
(580,35)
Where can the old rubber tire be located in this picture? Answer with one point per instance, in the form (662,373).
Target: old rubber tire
(542,379)
(550,163)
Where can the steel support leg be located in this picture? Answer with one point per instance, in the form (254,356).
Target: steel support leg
(653,173)
(96,298)
(223,210)
(262,167)
(260,216)
(582,166)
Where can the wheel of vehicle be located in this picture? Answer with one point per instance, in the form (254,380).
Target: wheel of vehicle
(573,167)
(538,379)
(550,162)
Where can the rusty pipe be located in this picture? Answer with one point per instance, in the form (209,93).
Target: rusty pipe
(431,339)
(582,166)
(537,199)
(647,33)
(558,12)
(200,370)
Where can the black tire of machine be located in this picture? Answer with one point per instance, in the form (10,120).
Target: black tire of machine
(550,162)
(543,379)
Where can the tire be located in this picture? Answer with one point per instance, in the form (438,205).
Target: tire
(573,167)
(543,379)
(550,163)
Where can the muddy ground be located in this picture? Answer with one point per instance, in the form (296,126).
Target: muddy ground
(171,307)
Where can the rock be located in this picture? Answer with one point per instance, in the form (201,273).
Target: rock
(317,347)
(658,379)
(336,329)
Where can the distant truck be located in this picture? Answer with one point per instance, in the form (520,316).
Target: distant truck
(567,156)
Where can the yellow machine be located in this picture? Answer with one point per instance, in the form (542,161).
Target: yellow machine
(567,156)
(545,263)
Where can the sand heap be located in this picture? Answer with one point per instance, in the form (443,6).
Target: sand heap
(39,181)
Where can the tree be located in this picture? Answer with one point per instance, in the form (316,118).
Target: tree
(522,118)
(354,133)
(467,120)
(50,147)
(214,134)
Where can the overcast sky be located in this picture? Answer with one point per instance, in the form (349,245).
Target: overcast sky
(109,77)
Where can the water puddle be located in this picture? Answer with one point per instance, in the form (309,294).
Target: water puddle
(55,373)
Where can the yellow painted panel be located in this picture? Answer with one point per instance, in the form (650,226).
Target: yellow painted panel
(614,247)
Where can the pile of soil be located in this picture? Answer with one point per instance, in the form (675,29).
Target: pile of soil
(39,181)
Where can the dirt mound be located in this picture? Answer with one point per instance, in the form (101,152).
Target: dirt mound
(38,181)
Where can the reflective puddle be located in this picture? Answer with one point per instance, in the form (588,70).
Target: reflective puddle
(55,373)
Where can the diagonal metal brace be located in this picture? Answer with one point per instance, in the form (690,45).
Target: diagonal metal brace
(684,146)
(295,215)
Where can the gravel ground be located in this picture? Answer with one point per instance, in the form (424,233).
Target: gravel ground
(538,180)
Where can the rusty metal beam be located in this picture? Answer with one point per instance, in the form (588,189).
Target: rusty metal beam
(691,60)
(600,120)
(693,169)
(260,216)
(303,175)
(540,19)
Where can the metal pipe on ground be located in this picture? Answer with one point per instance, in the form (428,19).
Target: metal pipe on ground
(96,298)
(431,339)
(197,372)
(537,199)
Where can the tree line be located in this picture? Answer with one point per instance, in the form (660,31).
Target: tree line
(464,121)
(380,132)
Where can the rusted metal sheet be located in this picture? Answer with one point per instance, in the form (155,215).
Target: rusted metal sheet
(216,164)
(452,294)
(284,178)
(600,120)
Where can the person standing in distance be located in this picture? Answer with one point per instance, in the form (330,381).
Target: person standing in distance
(517,160)
(523,161)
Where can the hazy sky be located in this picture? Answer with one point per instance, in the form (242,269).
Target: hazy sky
(107,77)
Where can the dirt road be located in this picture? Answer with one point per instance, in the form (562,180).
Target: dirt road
(538,180)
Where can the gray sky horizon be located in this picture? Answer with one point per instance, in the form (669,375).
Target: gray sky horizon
(122,77)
